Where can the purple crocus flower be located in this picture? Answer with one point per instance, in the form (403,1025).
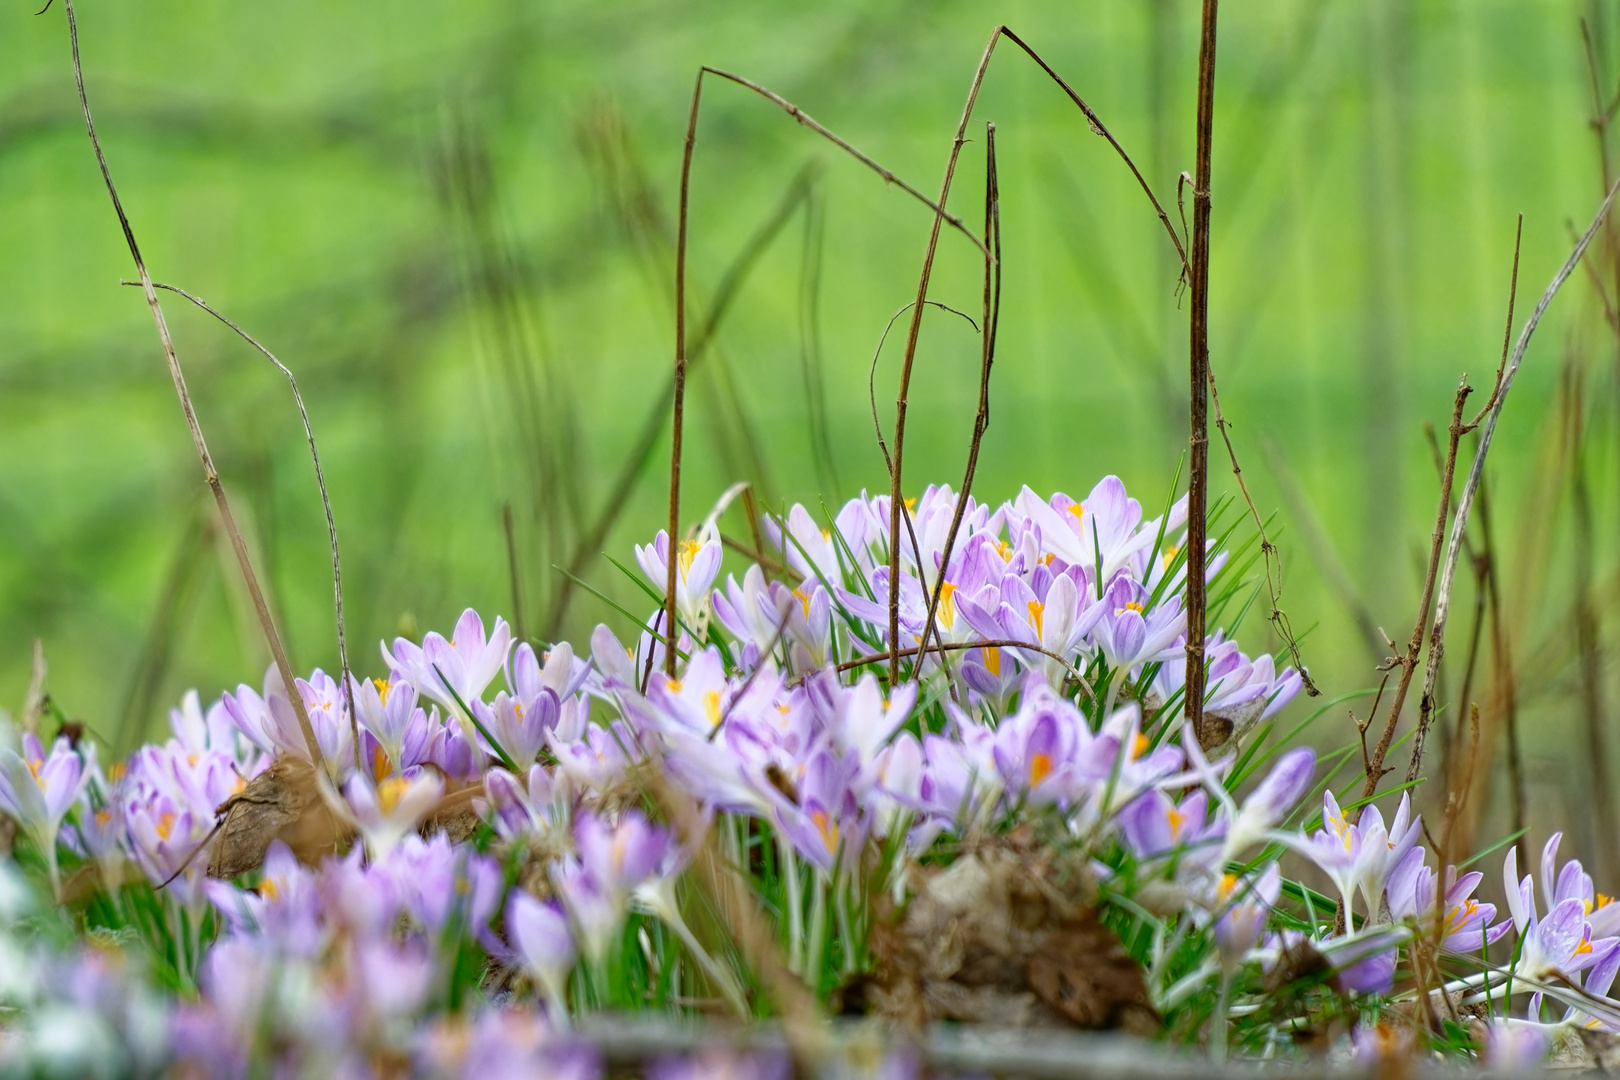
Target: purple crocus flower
(544,943)
(1128,633)
(1271,800)
(1035,747)
(387,710)
(1155,827)
(37,791)
(697,564)
(1243,907)
(468,662)
(521,807)
(387,813)
(519,726)
(1514,1046)
(810,550)
(826,825)
(1466,927)
(748,613)
(1559,944)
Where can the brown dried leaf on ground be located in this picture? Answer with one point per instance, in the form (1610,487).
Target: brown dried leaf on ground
(282,803)
(1006,935)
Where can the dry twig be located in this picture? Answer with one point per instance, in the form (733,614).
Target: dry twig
(238,545)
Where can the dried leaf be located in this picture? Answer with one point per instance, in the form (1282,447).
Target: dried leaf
(281,803)
(1083,972)
(1006,935)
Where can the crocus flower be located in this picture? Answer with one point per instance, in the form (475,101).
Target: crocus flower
(1271,800)
(1466,923)
(1559,944)
(1243,907)
(462,667)
(1514,1046)
(385,814)
(697,564)
(519,726)
(387,709)
(1129,633)
(37,791)
(544,943)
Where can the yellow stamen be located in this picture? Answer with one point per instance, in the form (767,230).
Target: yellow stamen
(1604,901)
(1037,611)
(269,889)
(711,707)
(992,660)
(1177,819)
(1583,947)
(165,826)
(389,792)
(1078,510)
(688,552)
(1040,767)
(947,606)
(116,773)
(103,818)
(379,763)
(33,767)
(1223,891)
(1132,605)
(674,686)
(383,686)
(826,534)
(828,829)
(1170,554)
(1046,560)
(1140,746)
(804,602)
(911,504)
(1003,549)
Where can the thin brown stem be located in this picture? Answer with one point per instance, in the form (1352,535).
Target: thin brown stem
(238,545)
(672,548)
(896,471)
(1374,770)
(981,420)
(1198,410)
(320,482)
(1470,488)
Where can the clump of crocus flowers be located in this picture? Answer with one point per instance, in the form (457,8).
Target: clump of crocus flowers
(524,834)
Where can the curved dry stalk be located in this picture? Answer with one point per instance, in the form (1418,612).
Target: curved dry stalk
(326,499)
(981,420)
(238,545)
(1442,606)
(897,471)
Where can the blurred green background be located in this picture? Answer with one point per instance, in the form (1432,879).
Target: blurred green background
(454,221)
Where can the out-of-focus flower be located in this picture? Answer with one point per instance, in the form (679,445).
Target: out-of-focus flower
(37,790)
(1514,1046)
(387,813)
(1243,907)
(541,937)
(1271,801)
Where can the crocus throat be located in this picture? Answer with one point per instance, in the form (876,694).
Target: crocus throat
(827,827)
(389,792)
(947,607)
(683,560)
(1040,767)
